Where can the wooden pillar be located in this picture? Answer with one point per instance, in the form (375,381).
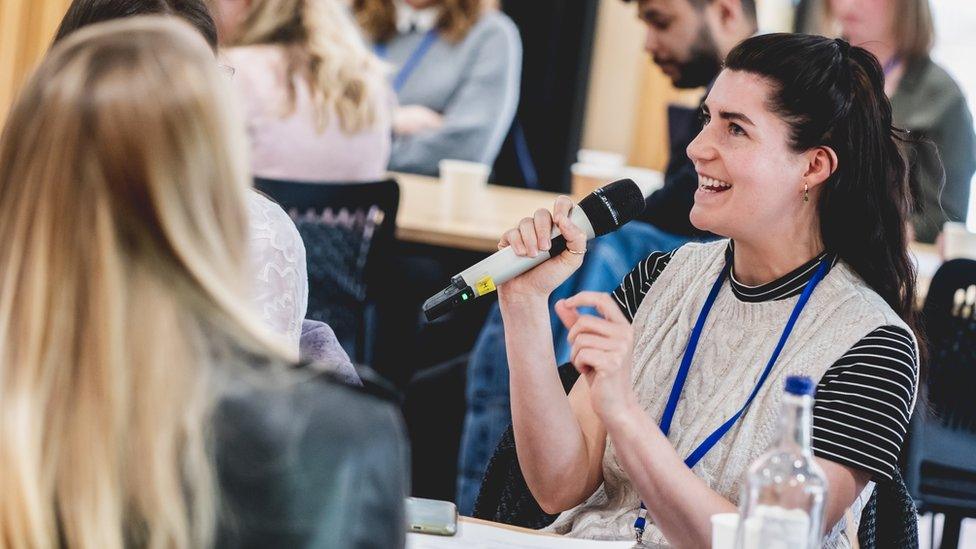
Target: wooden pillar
(26,29)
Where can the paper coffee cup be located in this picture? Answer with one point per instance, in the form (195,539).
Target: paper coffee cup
(463,184)
(600,158)
(958,242)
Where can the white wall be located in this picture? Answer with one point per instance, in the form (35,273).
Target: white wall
(955,45)
(615,78)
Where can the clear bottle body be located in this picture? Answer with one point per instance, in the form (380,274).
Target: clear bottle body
(784,494)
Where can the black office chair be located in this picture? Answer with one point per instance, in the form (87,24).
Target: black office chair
(941,456)
(349,232)
(504,496)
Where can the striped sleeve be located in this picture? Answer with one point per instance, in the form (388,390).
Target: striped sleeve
(634,286)
(863,403)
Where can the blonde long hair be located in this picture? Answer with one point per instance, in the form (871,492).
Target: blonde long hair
(122,257)
(323,46)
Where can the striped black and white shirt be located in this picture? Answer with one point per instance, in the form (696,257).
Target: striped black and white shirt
(863,401)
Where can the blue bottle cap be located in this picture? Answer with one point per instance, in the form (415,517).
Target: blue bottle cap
(800,386)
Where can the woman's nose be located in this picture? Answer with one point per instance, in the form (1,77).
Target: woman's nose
(701,148)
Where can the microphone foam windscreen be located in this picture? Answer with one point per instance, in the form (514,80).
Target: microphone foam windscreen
(612,205)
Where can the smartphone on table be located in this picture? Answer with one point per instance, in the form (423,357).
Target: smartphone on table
(431,516)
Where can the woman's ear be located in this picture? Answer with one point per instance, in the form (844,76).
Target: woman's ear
(821,164)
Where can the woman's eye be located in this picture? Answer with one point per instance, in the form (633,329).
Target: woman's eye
(704,118)
(736,129)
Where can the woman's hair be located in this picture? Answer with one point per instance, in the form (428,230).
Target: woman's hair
(323,47)
(378,18)
(832,94)
(913,26)
(82,13)
(122,299)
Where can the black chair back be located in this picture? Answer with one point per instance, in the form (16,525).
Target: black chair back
(950,326)
(349,231)
(504,496)
(940,459)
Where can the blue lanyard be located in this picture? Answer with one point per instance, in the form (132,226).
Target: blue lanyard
(682,375)
(891,64)
(412,62)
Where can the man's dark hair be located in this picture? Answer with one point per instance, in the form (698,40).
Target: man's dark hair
(748,7)
(82,13)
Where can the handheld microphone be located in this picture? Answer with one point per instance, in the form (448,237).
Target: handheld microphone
(602,211)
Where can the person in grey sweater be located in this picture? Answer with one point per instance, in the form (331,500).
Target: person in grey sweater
(925,100)
(456,71)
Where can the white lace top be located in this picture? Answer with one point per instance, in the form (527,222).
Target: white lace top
(280,281)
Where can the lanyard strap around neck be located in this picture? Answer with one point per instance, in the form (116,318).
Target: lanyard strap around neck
(891,64)
(412,62)
(682,375)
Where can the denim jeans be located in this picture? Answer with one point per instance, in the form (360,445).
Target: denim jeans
(608,259)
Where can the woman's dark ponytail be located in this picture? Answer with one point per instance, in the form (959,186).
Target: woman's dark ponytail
(835,97)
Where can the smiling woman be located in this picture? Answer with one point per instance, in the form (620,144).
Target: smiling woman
(800,169)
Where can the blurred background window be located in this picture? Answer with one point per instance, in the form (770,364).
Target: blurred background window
(954,24)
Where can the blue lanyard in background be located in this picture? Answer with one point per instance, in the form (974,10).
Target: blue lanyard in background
(891,64)
(682,375)
(412,62)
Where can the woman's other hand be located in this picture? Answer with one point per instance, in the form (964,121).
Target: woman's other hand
(413,119)
(532,236)
(602,351)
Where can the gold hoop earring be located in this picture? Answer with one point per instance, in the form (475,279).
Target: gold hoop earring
(806,193)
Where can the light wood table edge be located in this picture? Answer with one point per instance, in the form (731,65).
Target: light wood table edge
(472,520)
(435,230)
(469,243)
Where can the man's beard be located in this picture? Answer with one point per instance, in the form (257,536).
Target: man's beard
(703,63)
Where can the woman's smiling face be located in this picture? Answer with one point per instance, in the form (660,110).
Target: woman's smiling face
(750,181)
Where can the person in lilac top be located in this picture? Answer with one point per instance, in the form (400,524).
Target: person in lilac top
(316,101)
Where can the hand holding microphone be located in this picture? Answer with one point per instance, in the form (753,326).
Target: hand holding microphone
(533,236)
(529,246)
(602,345)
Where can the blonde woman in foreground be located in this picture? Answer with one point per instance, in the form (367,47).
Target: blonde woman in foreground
(141,402)
(318,106)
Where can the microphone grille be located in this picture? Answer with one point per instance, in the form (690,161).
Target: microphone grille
(613,205)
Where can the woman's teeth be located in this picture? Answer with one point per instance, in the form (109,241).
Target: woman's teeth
(709,185)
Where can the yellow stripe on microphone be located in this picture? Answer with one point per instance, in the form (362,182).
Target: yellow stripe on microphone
(484,286)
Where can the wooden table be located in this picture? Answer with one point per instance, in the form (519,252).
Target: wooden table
(424,217)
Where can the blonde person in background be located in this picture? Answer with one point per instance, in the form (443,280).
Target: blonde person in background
(457,68)
(142,403)
(279,288)
(318,107)
(924,99)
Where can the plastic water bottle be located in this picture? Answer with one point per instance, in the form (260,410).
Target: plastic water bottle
(785,491)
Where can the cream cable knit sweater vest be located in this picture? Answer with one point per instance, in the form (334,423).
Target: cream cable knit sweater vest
(735,346)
